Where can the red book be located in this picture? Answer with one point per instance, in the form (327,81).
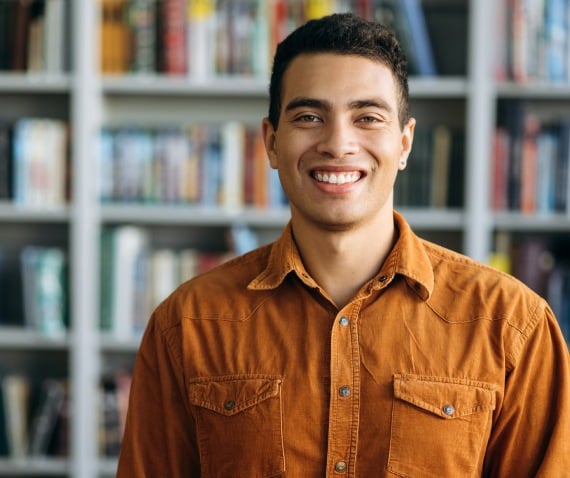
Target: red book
(173,52)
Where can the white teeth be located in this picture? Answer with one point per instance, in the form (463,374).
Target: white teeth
(341,178)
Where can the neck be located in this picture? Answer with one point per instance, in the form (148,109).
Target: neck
(341,262)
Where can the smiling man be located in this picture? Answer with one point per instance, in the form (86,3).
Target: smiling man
(349,347)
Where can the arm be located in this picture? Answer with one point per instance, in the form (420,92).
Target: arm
(159,434)
(531,433)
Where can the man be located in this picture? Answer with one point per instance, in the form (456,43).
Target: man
(349,347)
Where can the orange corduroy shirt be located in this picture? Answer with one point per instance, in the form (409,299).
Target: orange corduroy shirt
(438,367)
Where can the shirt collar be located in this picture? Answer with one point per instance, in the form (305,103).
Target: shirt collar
(407,258)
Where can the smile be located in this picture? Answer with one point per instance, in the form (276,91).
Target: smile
(337,178)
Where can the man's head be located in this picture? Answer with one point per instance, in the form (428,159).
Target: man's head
(344,34)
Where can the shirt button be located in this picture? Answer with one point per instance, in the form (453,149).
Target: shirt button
(344,391)
(340,466)
(230,405)
(448,410)
(383,278)
(343,321)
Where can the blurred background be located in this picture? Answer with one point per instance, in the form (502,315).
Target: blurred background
(131,160)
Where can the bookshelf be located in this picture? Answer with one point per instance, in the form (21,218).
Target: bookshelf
(87,101)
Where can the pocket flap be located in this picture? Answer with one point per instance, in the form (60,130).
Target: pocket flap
(231,395)
(444,396)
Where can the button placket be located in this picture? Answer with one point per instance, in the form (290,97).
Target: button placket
(343,414)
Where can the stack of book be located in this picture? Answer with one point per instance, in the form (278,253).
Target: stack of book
(32,36)
(214,165)
(206,38)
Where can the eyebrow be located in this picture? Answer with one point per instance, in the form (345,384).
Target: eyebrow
(303,102)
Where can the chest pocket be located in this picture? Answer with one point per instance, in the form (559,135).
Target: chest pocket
(239,426)
(439,426)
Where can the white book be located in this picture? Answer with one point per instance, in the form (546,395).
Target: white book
(165,275)
(54,34)
(201,37)
(16,390)
(130,244)
(233,144)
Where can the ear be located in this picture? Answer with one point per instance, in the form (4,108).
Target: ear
(407,140)
(269,140)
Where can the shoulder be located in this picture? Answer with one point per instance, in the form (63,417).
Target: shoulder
(221,292)
(468,290)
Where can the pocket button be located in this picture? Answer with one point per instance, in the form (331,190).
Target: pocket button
(230,405)
(448,410)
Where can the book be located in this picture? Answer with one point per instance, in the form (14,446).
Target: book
(233,150)
(447,27)
(109,419)
(415,37)
(529,158)
(16,396)
(54,41)
(165,274)
(39,162)
(129,278)
(5,161)
(141,23)
(441,157)
(36,32)
(45,418)
(19,43)
(201,38)
(173,44)
(500,168)
(114,37)
(44,289)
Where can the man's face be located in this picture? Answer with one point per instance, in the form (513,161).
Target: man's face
(338,146)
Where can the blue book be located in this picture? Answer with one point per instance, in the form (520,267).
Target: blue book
(416,37)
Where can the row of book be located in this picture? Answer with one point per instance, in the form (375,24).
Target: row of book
(136,275)
(543,263)
(34,417)
(434,173)
(531,155)
(33,36)
(211,165)
(204,38)
(34,161)
(533,41)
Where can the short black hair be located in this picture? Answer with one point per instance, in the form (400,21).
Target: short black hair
(343,34)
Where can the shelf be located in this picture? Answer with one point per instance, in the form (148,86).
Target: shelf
(438,87)
(22,339)
(192,215)
(534,90)
(108,467)
(11,212)
(165,85)
(112,344)
(33,467)
(243,87)
(34,83)
(433,219)
(516,221)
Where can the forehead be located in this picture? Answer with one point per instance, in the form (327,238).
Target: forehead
(338,78)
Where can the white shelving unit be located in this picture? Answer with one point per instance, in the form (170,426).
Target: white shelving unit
(89,101)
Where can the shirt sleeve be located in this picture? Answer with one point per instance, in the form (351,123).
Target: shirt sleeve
(531,433)
(159,432)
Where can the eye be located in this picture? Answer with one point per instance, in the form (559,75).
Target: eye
(307,118)
(370,119)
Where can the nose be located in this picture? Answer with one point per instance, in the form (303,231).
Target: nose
(338,139)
